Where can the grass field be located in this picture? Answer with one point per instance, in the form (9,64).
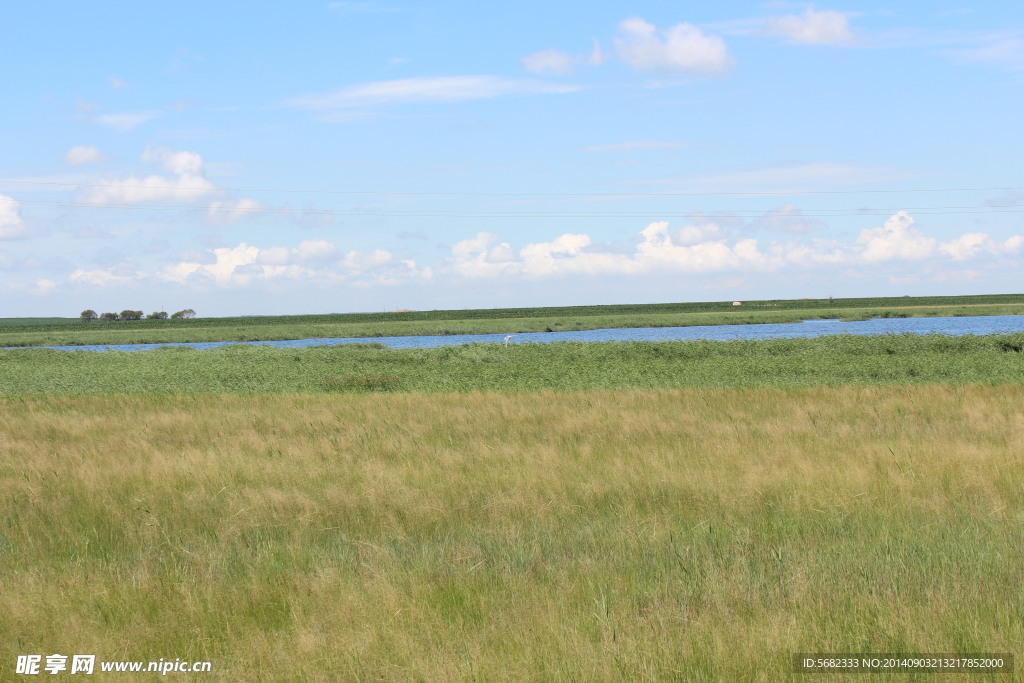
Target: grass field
(563,366)
(551,512)
(694,534)
(70,332)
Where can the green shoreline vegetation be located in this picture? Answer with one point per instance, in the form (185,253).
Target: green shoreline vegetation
(72,332)
(690,510)
(561,366)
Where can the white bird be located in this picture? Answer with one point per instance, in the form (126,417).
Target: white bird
(506,340)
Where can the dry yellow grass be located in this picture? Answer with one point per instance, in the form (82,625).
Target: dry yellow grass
(694,534)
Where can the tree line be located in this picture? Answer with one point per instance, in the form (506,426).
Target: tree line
(89,315)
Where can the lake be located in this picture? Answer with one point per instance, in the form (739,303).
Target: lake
(991,324)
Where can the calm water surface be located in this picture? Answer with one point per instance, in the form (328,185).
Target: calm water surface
(986,324)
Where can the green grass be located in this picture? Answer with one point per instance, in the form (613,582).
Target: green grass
(697,534)
(73,332)
(244,369)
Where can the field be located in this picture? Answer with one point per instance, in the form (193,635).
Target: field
(690,534)
(617,511)
(71,332)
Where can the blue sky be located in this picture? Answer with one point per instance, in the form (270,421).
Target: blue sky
(313,157)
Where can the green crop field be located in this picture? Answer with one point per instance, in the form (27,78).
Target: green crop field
(550,512)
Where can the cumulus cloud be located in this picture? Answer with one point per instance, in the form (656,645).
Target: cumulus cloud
(681,48)
(813,27)
(83,154)
(702,232)
(705,248)
(317,260)
(896,239)
(968,246)
(175,161)
(135,190)
(184,182)
(11,224)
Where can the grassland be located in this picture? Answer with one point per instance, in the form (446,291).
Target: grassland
(553,512)
(70,332)
(691,534)
(564,366)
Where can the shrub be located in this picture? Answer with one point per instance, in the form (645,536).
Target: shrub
(108,316)
(87,315)
(131,315)
(159,315)
(186,313)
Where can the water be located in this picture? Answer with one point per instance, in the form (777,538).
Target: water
(990,324)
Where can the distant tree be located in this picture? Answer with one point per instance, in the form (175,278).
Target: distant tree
(108,316)
(159,315)
(187,313)
(87,315)
(131,315)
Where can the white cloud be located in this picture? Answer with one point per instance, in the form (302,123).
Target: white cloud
(705,248)
(83,154)
(1006,52)
(136,190)
(561,63)
(367,260)
(315,250)
(11,224)
(186,184)
(427,90)
(813,27)
(315,260)
(225,212)
(549,61)
(968,246)
(177,162)
(681,48)
(103,277)
(896,239)
(126,121)
(703,232)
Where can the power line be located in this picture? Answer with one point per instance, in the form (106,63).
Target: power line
(442,213)
(518,194)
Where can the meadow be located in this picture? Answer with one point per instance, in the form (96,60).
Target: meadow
(684,534)
(71,332)
(552,512)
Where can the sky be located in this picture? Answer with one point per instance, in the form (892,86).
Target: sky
(267,158)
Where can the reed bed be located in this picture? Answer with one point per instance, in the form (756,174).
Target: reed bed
(566,366)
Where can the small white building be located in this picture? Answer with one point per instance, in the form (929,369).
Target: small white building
(737,303)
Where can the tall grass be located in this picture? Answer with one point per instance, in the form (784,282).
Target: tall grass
(831,361)
(698,534)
